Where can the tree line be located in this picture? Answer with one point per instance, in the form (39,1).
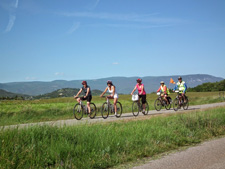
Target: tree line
(209,87)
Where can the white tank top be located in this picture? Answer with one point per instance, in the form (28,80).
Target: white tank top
(111,92)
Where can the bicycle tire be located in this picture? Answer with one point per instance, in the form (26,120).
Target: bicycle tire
(185,105)
(168,106)
(105,110)
(135,108)
(158,104)
(119,109)
(93,111)
(146,108)
(78,111)
(176,104)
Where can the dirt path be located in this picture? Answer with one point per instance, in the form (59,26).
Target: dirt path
(126,116)
(209,155)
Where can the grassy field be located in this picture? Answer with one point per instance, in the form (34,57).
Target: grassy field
(17,112)
(106,145)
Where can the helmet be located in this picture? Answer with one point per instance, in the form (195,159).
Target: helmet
(139,80)
(179,78)
(109,82)
(162,82)
(84,83)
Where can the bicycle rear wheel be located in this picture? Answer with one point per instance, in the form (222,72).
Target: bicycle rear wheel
(146,108)
(135,108)
(185,105)
(176,104)
(105,110)
(93,111)
(158,104)
(119,109)
(78,111)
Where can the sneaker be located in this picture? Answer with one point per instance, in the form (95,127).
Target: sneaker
(115,113)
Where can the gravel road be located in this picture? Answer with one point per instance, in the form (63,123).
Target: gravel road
(126,116)
(209,155)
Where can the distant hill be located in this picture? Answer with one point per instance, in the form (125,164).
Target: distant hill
(209,87)
(65,92)
(4,93)
(123,84)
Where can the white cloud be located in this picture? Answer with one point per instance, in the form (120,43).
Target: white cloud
(16,4)
(12,19)
(59,74)
(115,63)
(74,27)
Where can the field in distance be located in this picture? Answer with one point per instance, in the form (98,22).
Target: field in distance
(20,111)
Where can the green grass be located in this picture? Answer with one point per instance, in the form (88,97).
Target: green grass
(106,145)
(17,112)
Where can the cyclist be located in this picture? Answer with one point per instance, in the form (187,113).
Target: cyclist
(141,92)
(113,94)
(182,87)
(87,91)
(164,90)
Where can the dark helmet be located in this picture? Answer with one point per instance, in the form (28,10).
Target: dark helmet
(109,82)
(179,78)
(139,80)
(84,83)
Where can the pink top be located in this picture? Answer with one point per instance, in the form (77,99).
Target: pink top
(140,88)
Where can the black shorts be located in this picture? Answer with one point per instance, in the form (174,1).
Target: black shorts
(143,98)
(88,98)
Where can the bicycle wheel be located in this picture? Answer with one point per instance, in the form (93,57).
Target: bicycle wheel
(146,109)
(105,110)
(158,104)
(119,109)
(93,111)
(176,104)
(78,111)
(167,106)
(135,108)
(185,105)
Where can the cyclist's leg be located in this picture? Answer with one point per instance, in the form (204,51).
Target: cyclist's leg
(78,99)
(183,95)
(143,102)
(88,103)
(165,97)
(115,107)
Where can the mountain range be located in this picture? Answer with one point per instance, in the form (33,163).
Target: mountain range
(123,84)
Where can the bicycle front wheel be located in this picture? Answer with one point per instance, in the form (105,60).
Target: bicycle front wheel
(135,108)
(146,108)
(119,109)
(168,106)
(105,110)
(158,104)
(185,105)
(176,104)
(93,111)
(78,111)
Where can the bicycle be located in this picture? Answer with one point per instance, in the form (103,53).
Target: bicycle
(160,102)
(80,109)
(179,101)
(137,107)
(107,108)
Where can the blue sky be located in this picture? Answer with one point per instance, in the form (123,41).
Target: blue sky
(88,39)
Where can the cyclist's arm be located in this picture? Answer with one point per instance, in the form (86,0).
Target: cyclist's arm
(175,88)
(134,90)
(78,93)
(104,92)
(185,86)
(159,89)
(142,89)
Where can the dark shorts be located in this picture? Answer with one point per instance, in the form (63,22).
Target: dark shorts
(143,98)
(88,98)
